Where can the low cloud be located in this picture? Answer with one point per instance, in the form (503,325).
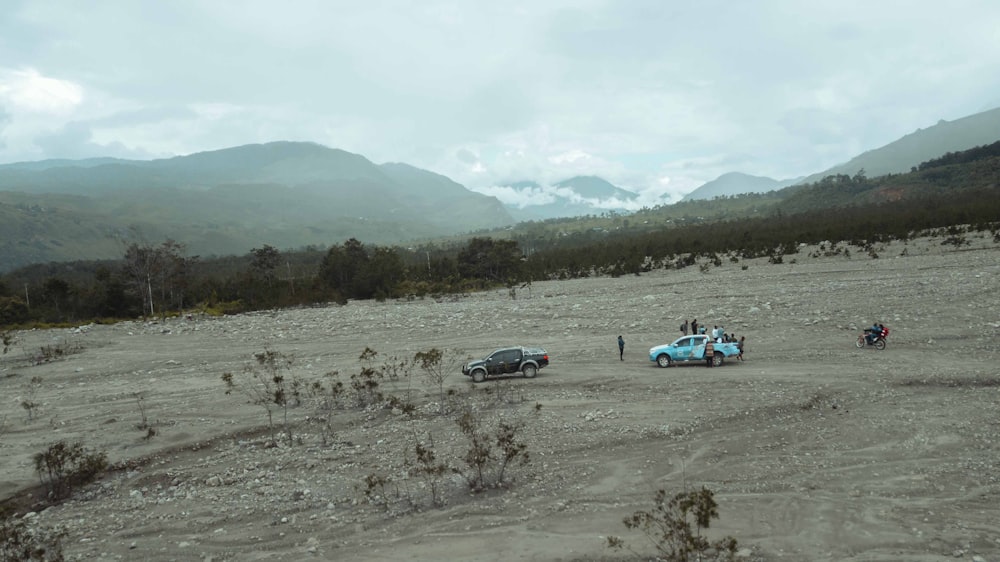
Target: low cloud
(530,196)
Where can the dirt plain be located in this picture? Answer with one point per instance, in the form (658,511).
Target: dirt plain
(815,449)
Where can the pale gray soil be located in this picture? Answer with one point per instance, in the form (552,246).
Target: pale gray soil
(816,450)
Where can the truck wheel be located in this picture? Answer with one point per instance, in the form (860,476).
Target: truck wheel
(478,375)
(663,360)
(717,359)
(530,371)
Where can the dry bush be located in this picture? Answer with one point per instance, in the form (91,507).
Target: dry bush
(675,528)
(63,467)
(21,541)
(266,385)
(490,453)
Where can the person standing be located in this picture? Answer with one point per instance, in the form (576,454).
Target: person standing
(684,328)
(694,326)
(739,346)
(621,348)
(709,353)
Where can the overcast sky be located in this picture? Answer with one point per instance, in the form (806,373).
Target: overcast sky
(655,96)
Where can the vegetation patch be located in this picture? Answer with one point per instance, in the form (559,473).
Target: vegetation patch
(63,467)
(675,528)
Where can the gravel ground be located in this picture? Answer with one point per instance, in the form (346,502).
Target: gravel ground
(815,449)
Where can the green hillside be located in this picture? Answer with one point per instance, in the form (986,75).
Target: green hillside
(921,145)
(227,201)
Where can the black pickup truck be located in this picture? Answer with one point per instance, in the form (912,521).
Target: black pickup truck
(506,361)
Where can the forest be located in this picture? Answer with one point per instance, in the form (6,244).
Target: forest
(952,195)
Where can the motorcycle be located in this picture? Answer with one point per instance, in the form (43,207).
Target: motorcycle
(878,342)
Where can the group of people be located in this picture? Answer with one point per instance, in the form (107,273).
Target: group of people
(718,335)
(875,332)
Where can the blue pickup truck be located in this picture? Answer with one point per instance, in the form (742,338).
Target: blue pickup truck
(691,348)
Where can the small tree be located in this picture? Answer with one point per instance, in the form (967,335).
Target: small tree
(436,370)
(675,527)
(511,450)
(266,386)
(264,263)
(326,399)
(479,454)
(431,470)
(365,384)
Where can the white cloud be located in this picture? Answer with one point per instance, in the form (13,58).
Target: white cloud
(529,196)
(28,90)
(519,198)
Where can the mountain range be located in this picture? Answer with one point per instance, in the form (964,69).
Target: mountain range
(284,194)
(294,194)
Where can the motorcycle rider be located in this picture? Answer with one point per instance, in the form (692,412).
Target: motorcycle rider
(872,333)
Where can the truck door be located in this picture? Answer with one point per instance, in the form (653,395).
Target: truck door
(511,360)
(494,363)
(685,348)
(698,350)
(505,361)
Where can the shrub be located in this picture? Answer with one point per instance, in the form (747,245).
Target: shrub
(511,450)
(266,386)
(55,351)
(13,311)
(63,467)
(326,399)
(19,541)
(7,339)
(140,399)
(30,400)
(436,366)
(478,456)
(366,383)
(489,456)
(431,470)
(675,527)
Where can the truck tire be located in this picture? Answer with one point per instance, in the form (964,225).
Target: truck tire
(529,371)
(717,359)
(663,360)
(478,375)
